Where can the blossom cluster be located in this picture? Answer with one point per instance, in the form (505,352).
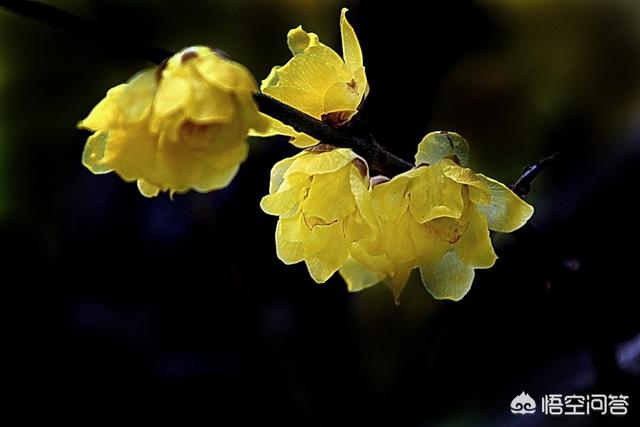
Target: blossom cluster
(184,125)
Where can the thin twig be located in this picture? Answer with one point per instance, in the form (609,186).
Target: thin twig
(522,186)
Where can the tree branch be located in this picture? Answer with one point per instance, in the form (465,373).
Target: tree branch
(522,186)
(381,161)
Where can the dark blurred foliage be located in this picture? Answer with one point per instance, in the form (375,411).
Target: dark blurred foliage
(181,308)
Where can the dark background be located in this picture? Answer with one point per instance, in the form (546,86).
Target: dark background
(181,308)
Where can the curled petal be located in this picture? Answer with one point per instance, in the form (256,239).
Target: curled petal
(106,114)
(298,40)
(351,50)
(442,145)
(506,211)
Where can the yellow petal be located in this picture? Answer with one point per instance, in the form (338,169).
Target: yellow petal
(286,202)
(130,152)
(330,196)
(106,114)
(137,96)
(293,229)
(429,247)
(398,281)
(474,247)
(506,212)
(389,198)
(208,104)
(274,127)
(146,189)
(306,78)
(342,96)
(298,40)
(277,174)
(173,93)
(357,277)
(448,278)
(357,228)
(325,251)
(362,196)
(94,153)
(289,252)
(436,146)
(206,157)
(434,195)
(226,75)
(398,244)
(350,46)
(316,163)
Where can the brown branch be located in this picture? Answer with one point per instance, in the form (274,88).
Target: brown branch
(522,186)
(381,161)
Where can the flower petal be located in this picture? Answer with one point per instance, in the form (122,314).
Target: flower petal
(209,104)
(434,195)
(357,277)
(506,212)
(342,96)
(306,78)
(146,189)
(330,196)
(137,96)
(474,247)
(448,278)
(105,115)
(316,163)
(436,146)
(351,51)
(298,40)
(224,74)
(286,202)
(275,127)
(173,93)
(325,251)
(289,252)
(389,198)
(398,245)
(94,153)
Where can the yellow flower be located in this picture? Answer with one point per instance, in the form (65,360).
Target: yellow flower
(318,81)
(177,127)
(437,218)
(323,205)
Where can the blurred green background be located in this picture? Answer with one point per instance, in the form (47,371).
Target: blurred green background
(183,306)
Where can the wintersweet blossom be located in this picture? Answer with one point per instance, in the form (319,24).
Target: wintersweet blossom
(177,127)
(436,217)
(323,205)
(318,81)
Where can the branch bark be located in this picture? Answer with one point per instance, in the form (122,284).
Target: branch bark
(381,161)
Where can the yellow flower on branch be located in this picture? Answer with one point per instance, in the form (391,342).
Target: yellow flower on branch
(318,81)
(437,218)
(323,204)
(177,127)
